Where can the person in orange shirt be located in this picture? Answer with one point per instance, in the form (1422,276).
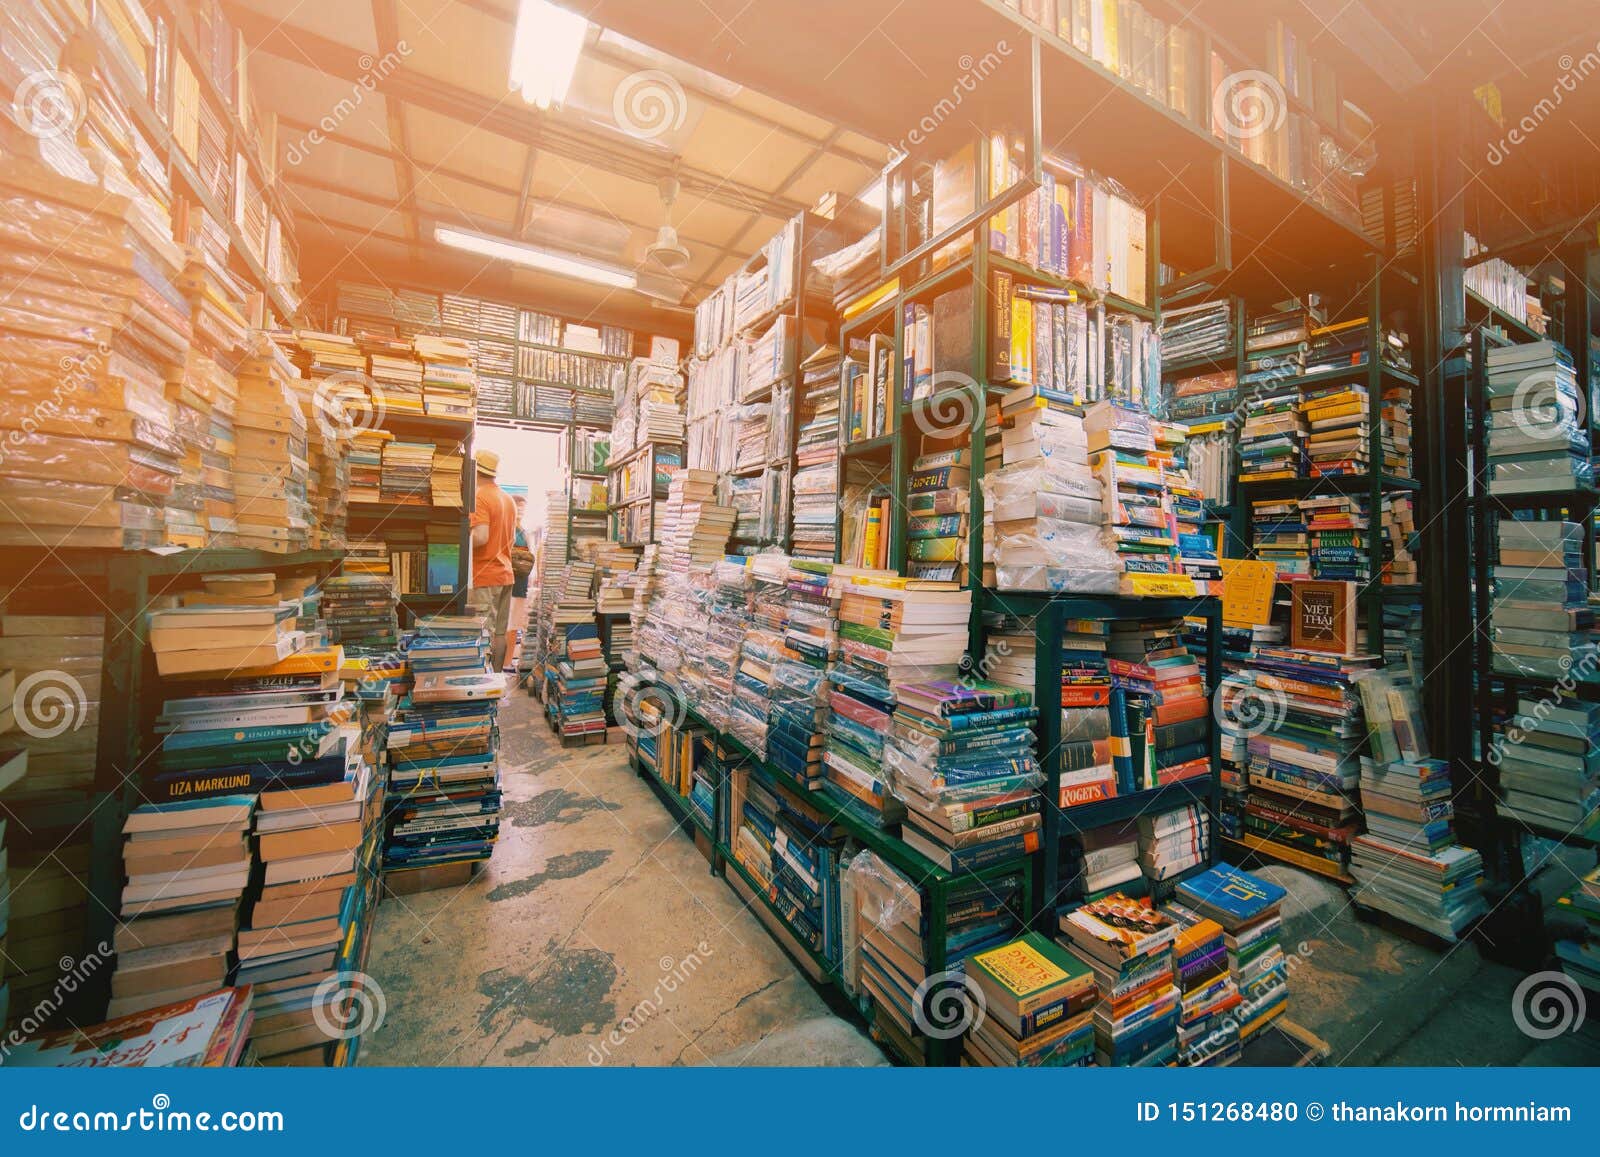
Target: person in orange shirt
(494,529)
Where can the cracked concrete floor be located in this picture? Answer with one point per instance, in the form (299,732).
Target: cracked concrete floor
(597,917)
(595,935)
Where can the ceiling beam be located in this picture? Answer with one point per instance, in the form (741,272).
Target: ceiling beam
(507,116)
(386,21)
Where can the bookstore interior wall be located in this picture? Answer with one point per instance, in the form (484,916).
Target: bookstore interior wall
(1008,552)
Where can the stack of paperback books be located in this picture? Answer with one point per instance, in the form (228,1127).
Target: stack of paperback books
(1247,907)
(366,464)
(1208,1032)
(407,476)
(1135,504)
(1337,531)
(961,759)
(937,547)
(360,611)
(1537,439)
(1580,955)
(799,704)
(270,466)
(892,631)
(816,475)
(1174,842)
(1038,1007)
(448,379)
(1546,762)
(1280,537)
(1541,621)
(188,865)
(1272,439)
(1128,945)
(443,803)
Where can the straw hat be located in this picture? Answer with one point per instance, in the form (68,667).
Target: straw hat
(488,462)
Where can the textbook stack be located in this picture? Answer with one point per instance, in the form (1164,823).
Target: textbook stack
(188,865)
(1043,514)
(1038,1007)
(1304,769)
(1164,697)
(360,612)
(443,801)
(816,475)
(270,466)
(961,761)
(1248,908)
(448,379)
(798,722)
(1128,945)
(1337,534)
(891,632)
(1541,623)
(1547,768)
(1174,842)
(316,859)
(1272,439)
(1580,955)
(1208,1033)
(1537,439)
(1136,507)
(1408,862)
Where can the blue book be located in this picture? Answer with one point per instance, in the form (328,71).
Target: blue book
(1230,896)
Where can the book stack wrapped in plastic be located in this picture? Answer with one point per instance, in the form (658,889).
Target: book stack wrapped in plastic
(1541,622)
(1537,438)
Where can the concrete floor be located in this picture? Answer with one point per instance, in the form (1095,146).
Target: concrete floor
(596,935)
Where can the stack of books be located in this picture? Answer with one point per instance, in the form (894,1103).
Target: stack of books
(270,466)
(1399,527)
(1272,439)
(50,674)
(218,639)
(1537,438)
(445,480)
(1547,764)
(315,855)
(1128,945)
(188,865)
(891,958)
(1208,1032)
(1338,536)
(443,802)
(1541,623)
(581,674)
(210,1031)
(937,542)
(961,758)
(407,477)
(1336,419)
(1038,1007)
(1192,332)
(796,728)
(1275,346)
(448,379)
(1280,536)
(1174,842)
(1204,403)
(892,631)
(1136,506)
(1043,515)
(816,475)
(360,612)
(1247,907)
(1101,861)
(366,465)
(1165,699)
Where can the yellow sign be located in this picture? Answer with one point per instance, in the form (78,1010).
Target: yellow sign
(1247,592)
(1160,586)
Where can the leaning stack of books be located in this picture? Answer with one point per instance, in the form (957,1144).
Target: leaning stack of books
(1247,907)
(1038,1007)
(210,1031)
(1128,945)
(187,865)
(961,760)
(443,802)
(1537,439)
(1208,1033)
(1541,621)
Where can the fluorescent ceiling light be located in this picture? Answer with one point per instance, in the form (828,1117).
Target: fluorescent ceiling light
(520,254)
(544,52)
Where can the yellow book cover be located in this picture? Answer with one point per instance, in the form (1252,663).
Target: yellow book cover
(869,539)
(1022,967)
(1021,340)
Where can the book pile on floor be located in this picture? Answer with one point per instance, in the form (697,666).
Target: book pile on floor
(188,865)
(1038,1003)
(1408,862)
(443,802)
(211,1031)
(1043,516)
(270,456)
(1580,954)
(1537,438)
(316,849)
(961,761)
(889,634)
(1248,908)
(816,476)
(1208,1033)
(1128,946)
(1541,623)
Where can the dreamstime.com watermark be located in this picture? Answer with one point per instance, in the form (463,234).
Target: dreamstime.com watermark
(648,104)
(1573,73)
(74,974)
(49,103)
(974,70)
(49,703)
(160,1117)
(674,975)
(372,73)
